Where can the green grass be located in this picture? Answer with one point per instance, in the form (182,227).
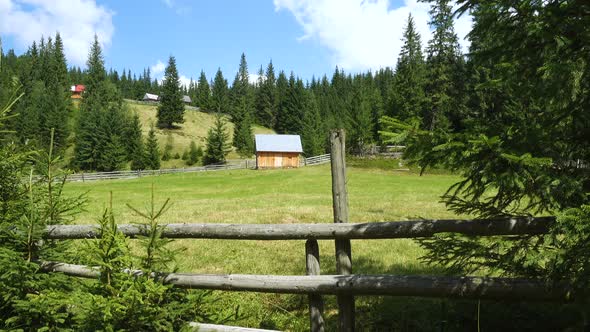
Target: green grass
(280,196)
(195,128)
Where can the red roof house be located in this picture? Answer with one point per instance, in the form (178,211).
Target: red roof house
(77,91)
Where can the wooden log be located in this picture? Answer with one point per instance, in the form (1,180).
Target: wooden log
(201,327)
(316,303)
(391,285)
(340,207)
(376,230)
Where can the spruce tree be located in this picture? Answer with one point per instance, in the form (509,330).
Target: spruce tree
(243,138)
(407,87)
(282,89)
(443,58)
(220,97)
(61,70)
(194,154)
(313,134)
(152,151)
(135,148)
(55,113)
(95,78)
(203,93)
(103,120)
(291,107)
(171,109)
(360,124)
(217,143)
(241,94)
(266,99)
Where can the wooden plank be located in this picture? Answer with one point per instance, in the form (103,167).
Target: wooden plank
(340,207)
(316,303)
(376,230)
(391,285)
(201,327)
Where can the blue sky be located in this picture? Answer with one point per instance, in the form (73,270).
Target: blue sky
(309,37)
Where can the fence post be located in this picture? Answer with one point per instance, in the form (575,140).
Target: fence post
(83,177)
(316,304)
(340,206)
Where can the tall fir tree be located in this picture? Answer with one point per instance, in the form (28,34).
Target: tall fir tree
(243,138)
(291,107)
(282,89)
(171,108)
(241,110)
(407,87)
(313,136)
(359,117)
(100,128)
(203,92)
(56,111)
(220,91)
(266,98)
(61,70)
(217,142)
(443,58)
(152,150)
(135,148)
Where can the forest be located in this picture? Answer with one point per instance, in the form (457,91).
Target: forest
(429,86)
(511,117)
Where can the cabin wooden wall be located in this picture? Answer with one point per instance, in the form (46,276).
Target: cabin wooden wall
(277,159)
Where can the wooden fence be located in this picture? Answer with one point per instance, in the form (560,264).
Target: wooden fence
(345,285)
(245,164)
(316,160)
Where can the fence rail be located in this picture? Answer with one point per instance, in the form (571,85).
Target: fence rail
(362,231)
(393,285)
(316,160)
(246,164)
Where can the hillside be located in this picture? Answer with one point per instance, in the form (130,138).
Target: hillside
(195,127)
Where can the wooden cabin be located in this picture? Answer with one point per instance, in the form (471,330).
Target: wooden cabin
(186,99)
(277,151)
(77,91)
(151,98)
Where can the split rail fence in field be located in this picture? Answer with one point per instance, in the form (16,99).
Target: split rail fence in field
(245,164)
(345,285)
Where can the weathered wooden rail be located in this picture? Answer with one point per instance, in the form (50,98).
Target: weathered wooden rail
(362,231)
(345,284)
(394,285)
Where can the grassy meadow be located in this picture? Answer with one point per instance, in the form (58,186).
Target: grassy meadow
(195,128)
(280,196)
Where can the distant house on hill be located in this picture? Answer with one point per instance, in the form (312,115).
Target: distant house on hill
(278,151)
(151,97)
(77,91)
(186,99)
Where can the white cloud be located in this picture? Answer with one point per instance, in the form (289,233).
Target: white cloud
(158,69)
(184,80)
(76,20)
(363,34)
(253,78)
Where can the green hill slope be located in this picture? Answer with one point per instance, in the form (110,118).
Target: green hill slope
(195,127)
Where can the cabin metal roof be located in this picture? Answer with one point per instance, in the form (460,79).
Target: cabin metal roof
(278,143)
(150,96)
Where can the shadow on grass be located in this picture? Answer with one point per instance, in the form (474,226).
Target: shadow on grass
(389,313)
